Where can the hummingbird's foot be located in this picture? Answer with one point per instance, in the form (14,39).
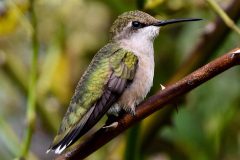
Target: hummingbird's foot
(133,111)
(114,110)
(130,110)
(113,125)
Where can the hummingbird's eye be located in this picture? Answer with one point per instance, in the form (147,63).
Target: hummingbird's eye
(136,25)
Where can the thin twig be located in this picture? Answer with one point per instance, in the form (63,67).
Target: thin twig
(228,21)
(31,102)
(154,103)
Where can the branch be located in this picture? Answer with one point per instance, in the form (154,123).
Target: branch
(210,41)
(154,103)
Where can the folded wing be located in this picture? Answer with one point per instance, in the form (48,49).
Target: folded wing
(99,88)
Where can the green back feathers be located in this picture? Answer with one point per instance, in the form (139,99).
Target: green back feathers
(126,69)
(88,90)
(110,59)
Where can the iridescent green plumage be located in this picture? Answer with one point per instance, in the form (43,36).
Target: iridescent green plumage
(109,65)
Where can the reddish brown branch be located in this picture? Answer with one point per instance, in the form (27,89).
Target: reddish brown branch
(210,40)
(154,103)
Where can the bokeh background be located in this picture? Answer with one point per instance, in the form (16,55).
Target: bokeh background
(205,126)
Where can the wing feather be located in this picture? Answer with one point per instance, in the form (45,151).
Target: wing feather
(121,74)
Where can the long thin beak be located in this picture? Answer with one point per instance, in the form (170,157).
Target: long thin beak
(171,21)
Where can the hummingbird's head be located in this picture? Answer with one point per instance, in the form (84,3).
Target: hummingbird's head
(132,24)
(138,25)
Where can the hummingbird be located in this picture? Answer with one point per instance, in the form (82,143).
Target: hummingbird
(118,78)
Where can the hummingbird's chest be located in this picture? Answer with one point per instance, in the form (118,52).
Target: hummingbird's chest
(143,78)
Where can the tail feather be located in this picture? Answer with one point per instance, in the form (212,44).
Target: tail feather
(93,115)
(70,137)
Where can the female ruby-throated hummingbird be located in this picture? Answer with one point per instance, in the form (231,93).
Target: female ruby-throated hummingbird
(118,78)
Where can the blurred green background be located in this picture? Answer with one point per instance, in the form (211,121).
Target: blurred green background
(206,125)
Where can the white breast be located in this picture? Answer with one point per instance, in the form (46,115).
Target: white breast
(136,92)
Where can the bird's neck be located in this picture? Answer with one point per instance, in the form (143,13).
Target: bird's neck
(139,46)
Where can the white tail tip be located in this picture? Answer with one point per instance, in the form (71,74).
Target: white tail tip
(60,149)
